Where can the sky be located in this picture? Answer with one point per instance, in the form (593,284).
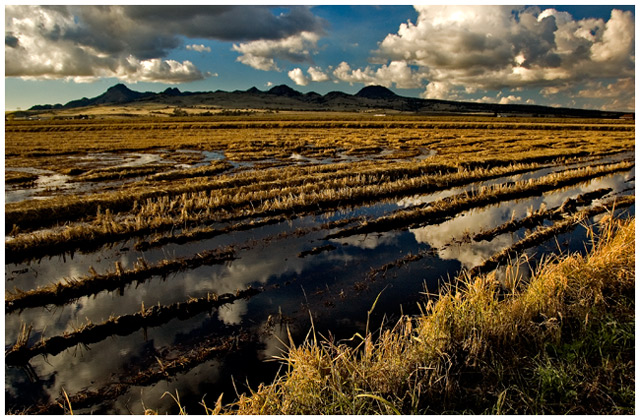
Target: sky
(571,56)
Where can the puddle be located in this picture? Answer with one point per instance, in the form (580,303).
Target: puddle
(303,160)
(47,182)
(141,160)
(213,156)
(47,186)
(50,182)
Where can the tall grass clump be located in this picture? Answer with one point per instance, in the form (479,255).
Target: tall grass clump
(559,343)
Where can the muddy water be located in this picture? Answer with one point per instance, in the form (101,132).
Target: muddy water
(334,287)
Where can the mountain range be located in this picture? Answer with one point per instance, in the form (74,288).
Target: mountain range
(283,97)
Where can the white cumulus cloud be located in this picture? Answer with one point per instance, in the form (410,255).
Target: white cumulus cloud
(439,90)
(262,54)
(511,99)
(198,47)
(345,73)
(497,47)
(396,72)
(298,77)
(156,70)
(317,75)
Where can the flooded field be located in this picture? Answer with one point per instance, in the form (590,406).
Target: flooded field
(147,257)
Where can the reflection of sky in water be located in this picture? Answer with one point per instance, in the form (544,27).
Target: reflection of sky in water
(49,180)
(320,285)
(45,182)
(262,262)
(476,220)
(62,184)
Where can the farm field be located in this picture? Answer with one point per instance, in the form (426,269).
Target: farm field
(149,256)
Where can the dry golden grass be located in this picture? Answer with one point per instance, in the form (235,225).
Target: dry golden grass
(466,150)
(26,142)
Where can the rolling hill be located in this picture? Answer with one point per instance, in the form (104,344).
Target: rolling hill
(283,97)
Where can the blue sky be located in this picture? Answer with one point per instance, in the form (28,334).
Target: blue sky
(576,56)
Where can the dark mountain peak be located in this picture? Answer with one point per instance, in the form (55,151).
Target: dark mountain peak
(117,94)
(313,97)
(254,91)
(336,94)
(78,103)
(120,87)
(376,92)
(283,90)
(172,92)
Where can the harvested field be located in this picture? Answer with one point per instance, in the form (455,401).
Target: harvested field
(190,248)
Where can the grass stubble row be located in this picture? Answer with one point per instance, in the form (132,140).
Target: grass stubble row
(536,217)
(261,200)
(178,359)
(444,209)
(70,289)
(540,235)
(398,122)
(244,198)
(20,353)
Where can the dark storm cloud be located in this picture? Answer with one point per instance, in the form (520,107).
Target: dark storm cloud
(109,31)
(151,31)
(228,23)
(535,40)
